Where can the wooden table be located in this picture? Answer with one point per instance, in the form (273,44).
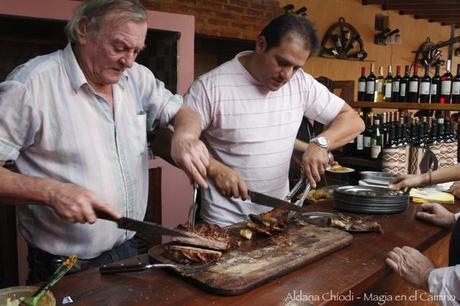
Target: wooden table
(343,277)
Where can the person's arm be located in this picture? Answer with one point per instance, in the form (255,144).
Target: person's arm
(346,125)
(430,178)
(444,283)
(300,145)
(69,201)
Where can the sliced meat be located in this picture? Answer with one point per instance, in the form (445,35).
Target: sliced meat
(190,255)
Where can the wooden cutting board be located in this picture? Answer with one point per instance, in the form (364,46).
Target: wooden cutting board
(262,259)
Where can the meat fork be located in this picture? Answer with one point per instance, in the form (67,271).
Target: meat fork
(124,268)
(193,209)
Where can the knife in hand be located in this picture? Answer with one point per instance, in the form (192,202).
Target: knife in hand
(265,200)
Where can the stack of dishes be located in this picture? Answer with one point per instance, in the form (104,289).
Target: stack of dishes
(375,178)
(370,200)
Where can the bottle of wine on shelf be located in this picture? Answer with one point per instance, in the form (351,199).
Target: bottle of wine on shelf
(378,92)
(387,86)
(412,93)
(446,84)
(404,87)
(368,135)
(376,141)
(370,85)
(435,86)
(362,85)
(360,141)
(456,87)
(396,84)
(425,84)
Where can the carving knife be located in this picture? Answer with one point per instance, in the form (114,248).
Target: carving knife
(147,230)
(265,200)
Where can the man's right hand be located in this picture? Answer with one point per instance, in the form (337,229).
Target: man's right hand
(436,214)
(228,182)
(76,204)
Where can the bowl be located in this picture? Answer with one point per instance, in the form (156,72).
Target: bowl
(14,293)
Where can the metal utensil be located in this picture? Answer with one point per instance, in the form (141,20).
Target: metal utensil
(193,208)
(265,200)
(125,268)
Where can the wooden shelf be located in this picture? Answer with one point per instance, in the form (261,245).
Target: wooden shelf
(397,105)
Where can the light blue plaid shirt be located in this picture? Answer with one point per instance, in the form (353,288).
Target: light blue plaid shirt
(55,126)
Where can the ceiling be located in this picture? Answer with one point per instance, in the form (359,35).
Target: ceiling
(446,12)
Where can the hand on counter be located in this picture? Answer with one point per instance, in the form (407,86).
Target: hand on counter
(314,162)
(436,214)
(228,181)
(408,181)
(76,204)
(191,155)
(411,265)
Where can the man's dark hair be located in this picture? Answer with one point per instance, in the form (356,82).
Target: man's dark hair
(290,23)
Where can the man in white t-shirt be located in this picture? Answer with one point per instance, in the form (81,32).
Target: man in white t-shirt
(251,108)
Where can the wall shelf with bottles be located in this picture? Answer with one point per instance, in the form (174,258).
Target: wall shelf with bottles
(397,105)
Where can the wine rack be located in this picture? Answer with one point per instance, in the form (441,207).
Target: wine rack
(397,105)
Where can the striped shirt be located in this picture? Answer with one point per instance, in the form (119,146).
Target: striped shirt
(252,130)
(55,126)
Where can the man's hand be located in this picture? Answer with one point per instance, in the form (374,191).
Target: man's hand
(411,265)
(190,154)
(409,181)
(228,182)
(77,204)
(455,189)
(436,214)
(314,162)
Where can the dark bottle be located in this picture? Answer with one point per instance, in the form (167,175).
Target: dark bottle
(362,85)
(421,140)
(396,84)
(412,92)
(387,86)
(392,138)
(370,85)
(435,86)
(359,150)
(425,84)
(441,129)
(402,134)
(446,85)
(376,141)
(404,87)
(368,135)
(456,87)
(434,133)
(384,129)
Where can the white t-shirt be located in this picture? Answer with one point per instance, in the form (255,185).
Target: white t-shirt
(252,130)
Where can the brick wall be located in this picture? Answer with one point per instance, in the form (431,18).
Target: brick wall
(243,19)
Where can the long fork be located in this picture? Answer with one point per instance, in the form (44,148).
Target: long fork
(124,268)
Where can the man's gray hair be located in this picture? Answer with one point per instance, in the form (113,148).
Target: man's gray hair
(95,10)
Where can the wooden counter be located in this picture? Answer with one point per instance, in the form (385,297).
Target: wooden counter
(347,276)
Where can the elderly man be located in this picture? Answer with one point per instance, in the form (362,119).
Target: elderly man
(252,107)
(75,123)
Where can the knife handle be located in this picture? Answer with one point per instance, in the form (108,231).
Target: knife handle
(122,268)
(103,215)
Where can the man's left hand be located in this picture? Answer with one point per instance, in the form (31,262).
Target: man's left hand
(191,155)
(314,161)
(411,265)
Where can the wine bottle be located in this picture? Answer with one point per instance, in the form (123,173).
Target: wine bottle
(425,84)
(387,86)
(446,84)
(396,85)
(456,87)
(376,141)
(368,135)
(362,85)
(435,86)
(378,92)
(370,85)
(404,85)
(412,93)
(360,141)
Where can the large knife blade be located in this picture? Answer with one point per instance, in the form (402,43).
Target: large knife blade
(265,200)
(147,230)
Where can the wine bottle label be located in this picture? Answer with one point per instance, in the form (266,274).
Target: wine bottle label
(403,90)
(434,88)
(375,151)
(360,142)
(413,86)
(388,90)
(367,141)
(362,86)
(456,88)
(378,86)
(370,87)
(425,88)
(445,87)
(396,86)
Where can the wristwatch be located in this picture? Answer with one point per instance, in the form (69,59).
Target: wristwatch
(321,142)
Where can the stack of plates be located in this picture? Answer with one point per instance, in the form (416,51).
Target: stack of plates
(370,200)
(377,178)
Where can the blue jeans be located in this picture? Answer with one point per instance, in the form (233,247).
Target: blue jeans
(42,264)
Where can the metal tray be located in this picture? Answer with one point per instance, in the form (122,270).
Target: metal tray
(369,192)
(378,178)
